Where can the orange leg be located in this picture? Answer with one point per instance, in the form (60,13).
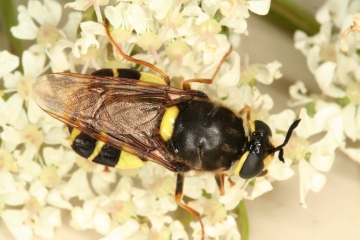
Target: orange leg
(131,59)
(220,183)
(186,84)
(232,183)
(178,197)
(245,112)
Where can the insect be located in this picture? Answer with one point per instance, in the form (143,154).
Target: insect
(123,118)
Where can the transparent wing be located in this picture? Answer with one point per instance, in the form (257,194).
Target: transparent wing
(122,112)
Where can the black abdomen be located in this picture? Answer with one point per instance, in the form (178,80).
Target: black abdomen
(207,136)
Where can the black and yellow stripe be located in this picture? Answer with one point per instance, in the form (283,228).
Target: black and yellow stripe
(102,153)
(99,152)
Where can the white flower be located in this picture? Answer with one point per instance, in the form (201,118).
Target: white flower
(233,194)
(87,48)
(33,61)
(322,153)
(90,216)
(55,198)
(310,179)
(82,5)
(56,156)
(39,22)
(176,51)
(195,185)
(101,181)
(21,223)
(79,186)
(282,120)
(342,9)
(324,75)
(298,94)
(47,15)
(351,118)
(177,231)
(187,41)
(259,7)
(224,229)
(125,231)
(231,76)
(234,15)
(150,42)
(280,171)
(8,63)
(261,186)
(267,73)
(14,221)
(58,57)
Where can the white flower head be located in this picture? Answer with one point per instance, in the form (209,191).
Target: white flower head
(187,40)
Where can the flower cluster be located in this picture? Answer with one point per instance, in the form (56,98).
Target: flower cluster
(44,177)
(40,175)
(332,56)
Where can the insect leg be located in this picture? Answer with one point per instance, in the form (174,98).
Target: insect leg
(219,178)
(245,112)
(131,59)
(186,84)
(178,197)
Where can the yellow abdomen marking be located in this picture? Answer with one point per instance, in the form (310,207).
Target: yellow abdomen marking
(97,149)
(115,72)
(167,123)
(73,135)
(128,161)
(148,77)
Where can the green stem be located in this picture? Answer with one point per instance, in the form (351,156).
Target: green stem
(244,222)
(290,17)
(9,19)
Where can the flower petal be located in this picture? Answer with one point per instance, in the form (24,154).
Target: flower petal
(324,76)
(261,7)
(26,29)
(8,62)
(15,222)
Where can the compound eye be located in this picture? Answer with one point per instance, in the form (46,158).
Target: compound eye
(252,167)
(261,127)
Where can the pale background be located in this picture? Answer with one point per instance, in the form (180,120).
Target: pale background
(333,213)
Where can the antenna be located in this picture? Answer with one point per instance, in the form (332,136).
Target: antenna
(287,137)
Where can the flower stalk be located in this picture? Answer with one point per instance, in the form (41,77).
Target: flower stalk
(289,16)
(243,220)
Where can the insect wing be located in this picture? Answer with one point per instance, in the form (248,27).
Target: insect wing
(121,112)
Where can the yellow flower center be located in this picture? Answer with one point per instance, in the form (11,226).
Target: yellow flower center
(353,90)
(32,136)
(49,176)
(47,35)
(7,162)
(24,87)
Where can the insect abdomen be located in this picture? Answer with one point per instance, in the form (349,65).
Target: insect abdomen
(207,136)
(98,151)
(101,153)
